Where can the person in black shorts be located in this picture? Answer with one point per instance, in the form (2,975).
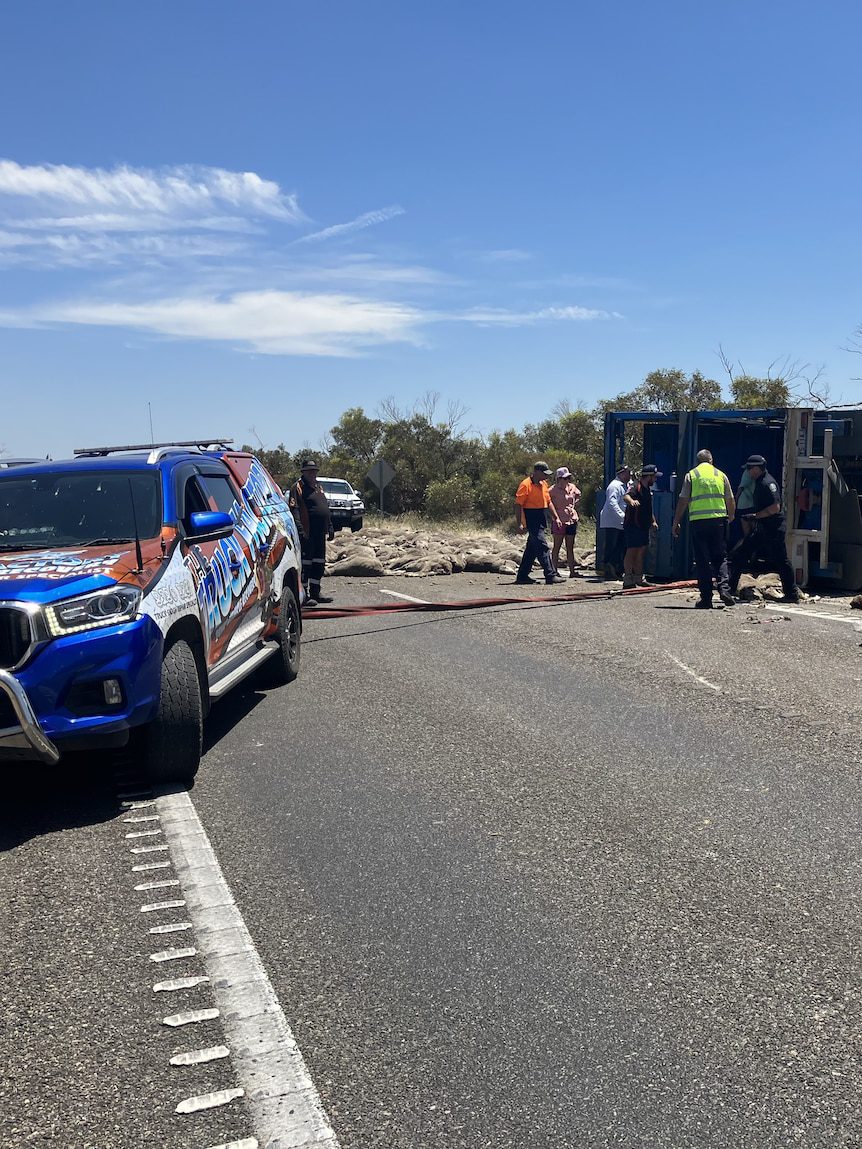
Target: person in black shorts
(639,521)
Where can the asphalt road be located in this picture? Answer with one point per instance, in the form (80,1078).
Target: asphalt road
(568,876)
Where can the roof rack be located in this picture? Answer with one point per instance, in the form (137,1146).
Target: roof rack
(156,449)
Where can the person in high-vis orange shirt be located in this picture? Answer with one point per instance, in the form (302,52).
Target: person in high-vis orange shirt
(532,504)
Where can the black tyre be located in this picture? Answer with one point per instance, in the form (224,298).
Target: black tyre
(173,742)
(283,667)
(356,526)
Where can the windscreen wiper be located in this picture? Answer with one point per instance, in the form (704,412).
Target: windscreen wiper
(25,546)
(103,542)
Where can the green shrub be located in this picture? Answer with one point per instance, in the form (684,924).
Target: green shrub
(449,498)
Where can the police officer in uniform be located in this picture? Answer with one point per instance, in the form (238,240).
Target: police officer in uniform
(311,513)
(766,539)
(707,495)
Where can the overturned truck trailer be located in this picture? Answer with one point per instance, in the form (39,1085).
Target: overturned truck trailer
(816,453)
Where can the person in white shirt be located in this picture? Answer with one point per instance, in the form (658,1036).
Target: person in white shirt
(611,521)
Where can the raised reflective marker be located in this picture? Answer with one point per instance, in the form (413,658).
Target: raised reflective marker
(209,1100)
(174,954)
(200,1056)
(190,1017)
(179,983)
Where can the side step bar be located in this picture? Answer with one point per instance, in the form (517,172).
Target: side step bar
(217,689)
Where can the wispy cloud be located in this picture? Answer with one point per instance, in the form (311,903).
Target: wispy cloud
(187,190)
(500,317)
(55,215)
(269,322)
(367,219)
(505,255)
(199,253)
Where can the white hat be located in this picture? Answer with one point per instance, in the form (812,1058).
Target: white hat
(563,473)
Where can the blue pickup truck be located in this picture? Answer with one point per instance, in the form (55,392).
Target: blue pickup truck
(137,586)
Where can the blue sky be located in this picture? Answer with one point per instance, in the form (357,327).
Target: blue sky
(258,215)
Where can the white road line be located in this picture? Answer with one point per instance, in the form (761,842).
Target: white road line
(147,849)
(209,1100)
(173,928)
(697,677)
(158,885)
(408,597)
(151,866)
(283,1101)
(144,818)
(816,614)
(143,833)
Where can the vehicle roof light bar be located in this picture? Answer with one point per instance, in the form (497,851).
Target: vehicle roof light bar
(217,443)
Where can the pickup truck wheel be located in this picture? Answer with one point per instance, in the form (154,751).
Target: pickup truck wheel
(173,741)
(283,667)
(356,526)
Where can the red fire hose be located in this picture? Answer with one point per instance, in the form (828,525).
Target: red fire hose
(326,612)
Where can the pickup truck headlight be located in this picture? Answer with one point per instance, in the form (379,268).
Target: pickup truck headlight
(107,607)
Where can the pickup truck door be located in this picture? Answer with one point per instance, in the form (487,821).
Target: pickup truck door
(228,567)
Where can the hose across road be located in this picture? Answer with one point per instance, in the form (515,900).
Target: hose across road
(320,613)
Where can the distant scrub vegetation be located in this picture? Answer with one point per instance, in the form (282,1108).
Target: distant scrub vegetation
(444,470)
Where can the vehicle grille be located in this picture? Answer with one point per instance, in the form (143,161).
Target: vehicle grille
(15,636)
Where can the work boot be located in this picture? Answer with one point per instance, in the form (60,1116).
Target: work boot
(554,579)
(325,598)
(611,572)
(727,598)
(526,581)
(312,602)
(629,584)
(703,604)
(792,597)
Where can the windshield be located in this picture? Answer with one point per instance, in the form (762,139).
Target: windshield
(335,487)
(73,509)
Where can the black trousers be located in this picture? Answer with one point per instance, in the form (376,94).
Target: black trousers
(709,542)
(537,545)
(314,556)
(615,548)
(768,545)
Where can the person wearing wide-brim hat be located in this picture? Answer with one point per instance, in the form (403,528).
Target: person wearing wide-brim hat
(310,509)
(766,541)
(565,495)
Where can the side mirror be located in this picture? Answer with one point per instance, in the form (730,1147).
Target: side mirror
(210,525)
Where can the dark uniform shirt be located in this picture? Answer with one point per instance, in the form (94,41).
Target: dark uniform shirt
(315,501)
(640,517)
(766,493)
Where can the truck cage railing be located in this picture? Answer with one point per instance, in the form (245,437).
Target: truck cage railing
(156,450)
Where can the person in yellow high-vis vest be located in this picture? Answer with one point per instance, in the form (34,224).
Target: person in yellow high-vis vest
(708,497)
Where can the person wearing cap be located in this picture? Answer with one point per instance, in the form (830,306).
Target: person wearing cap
(707,496)
(612,522)
(766,541)
(565,497)
(310,510)
(639,521)
(532,504)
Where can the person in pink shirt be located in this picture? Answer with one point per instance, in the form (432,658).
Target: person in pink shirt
(565,496)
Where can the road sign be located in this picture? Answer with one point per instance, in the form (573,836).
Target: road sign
(381,474)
